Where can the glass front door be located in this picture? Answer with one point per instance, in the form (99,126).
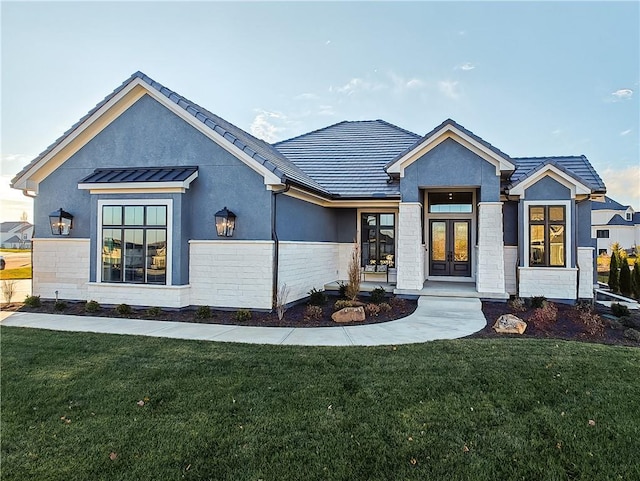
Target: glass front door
(450,253)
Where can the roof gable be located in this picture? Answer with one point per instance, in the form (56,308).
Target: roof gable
(450,129)
(608,204)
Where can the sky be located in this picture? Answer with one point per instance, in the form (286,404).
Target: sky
(531,78)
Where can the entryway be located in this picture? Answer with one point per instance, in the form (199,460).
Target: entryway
(449,247)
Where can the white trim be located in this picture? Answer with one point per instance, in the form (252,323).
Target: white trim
(446,132)
(300,194)
(568,245)
(166,202)
(576,188)
(139,187)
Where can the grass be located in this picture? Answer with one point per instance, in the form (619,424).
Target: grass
(5,249)
(454,410)
(19,273)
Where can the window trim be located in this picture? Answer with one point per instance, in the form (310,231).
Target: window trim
(568,235)
(364,210)
(168,203)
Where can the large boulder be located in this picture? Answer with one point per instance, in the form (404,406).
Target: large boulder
(509,324)
(349,314)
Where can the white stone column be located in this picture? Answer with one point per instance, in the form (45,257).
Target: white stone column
(410,257)
(586,279)
(490,266)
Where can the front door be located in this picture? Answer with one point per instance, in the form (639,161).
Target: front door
(449,248)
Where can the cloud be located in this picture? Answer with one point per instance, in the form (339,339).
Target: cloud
(306,96)
(623,185)
(12,202)
(626,132)
(356,85)
(326,110)
(264,125)
(449,88)
(556,132)
(466,66)
(622,94)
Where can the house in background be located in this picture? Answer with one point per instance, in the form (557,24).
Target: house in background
(155,201)
(16,235)
(613,222)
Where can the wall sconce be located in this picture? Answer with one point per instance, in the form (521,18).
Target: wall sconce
(61,222)
(225,222)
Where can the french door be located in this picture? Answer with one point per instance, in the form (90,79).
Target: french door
(449,248)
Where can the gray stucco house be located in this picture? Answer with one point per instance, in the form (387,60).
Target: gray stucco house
(144,173)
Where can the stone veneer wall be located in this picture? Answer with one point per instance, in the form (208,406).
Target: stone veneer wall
(490,277)
(60,264)
(550,282)
(586,264)
(410,263)
(510,267)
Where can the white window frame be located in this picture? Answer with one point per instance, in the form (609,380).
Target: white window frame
(136,202)
(568,237)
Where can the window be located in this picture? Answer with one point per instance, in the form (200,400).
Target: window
(547,235)
(602,252)
(378,241)
(450,202)
(602,234)
(134,244)
(628,216)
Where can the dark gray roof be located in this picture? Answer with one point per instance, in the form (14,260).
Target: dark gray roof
(8,226)
(141,174)
(12,240)
(619,220)
(348,158)
(577,167)
(258,150)
(608,203)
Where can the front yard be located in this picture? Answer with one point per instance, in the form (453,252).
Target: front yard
(86,406)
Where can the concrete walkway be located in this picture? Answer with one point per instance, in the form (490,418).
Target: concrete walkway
(435,318)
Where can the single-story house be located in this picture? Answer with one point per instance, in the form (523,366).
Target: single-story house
(16,235)
(155,201)
(612,222)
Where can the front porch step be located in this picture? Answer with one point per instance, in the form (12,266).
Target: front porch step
(451,289)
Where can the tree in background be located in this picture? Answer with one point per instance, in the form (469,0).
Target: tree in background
(625,274)
(614,279)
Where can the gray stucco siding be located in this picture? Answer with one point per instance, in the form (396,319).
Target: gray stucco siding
(547,189)
(450,164)
(510,223)
(297,220)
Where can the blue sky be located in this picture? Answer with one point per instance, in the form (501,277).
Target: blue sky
(532,78)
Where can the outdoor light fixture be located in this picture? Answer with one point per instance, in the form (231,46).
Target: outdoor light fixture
(225,222)
(61,222)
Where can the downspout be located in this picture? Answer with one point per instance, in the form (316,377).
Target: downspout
(276,243)
(575,249)
(33,234)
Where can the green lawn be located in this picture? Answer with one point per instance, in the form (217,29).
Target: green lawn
(19,273)
(450,410)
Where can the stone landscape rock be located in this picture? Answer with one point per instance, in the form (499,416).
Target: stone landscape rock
(349,314)
(509,324)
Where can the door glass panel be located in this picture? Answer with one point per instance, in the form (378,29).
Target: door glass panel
(386,219)
(439,241)
(461,241)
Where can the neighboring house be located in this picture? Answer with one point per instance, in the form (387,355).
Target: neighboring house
(146,171)
(16,235)
(613,222)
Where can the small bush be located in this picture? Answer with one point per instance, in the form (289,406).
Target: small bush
(372,310)
(538,302)
(317,298)
(60,306)
(384,307)
(342,289)
(313,313)
(544,317)
(32,301)
(630,321)
(203,312)
(518,304)
(619,310)
(342,303)
(154,311)
(92,306)
(593,324)
(243,315)
(632,334)
(124,309)
(398,303)
(378,295)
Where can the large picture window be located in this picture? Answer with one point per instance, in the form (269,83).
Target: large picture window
(547,236)
(134,244)
(378,241)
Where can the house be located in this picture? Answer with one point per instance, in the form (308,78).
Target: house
(155,201)
(612,222)
(16,235)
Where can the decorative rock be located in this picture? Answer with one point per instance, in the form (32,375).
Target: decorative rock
(509,324)
(349,314)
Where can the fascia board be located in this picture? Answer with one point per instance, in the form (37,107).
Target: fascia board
(320,201)
(576,187)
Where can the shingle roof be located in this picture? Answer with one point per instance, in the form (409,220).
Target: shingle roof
(619,220)
(608,203)
(142,174)
(576,166)
(12,240)
(258,150)
(9,226)
(348,158)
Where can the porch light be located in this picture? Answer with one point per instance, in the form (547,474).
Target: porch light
(225,222)
(61,222)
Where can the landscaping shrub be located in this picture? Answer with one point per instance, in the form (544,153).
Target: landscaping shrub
(203,312)
(372,310)
(544,317)
(625,277)
(378,295)
(317,298)
(384,307)
(538,302)
(60,306)
(92,306)
(593,324)
(124,309)
(342,303)
(243,315)
(353,271)
(313,313)
(614,279)
(342,289)
(518,304)
(619,310)
(632,334)
(154,311)
(398,303)
(629,321)
(32,301)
